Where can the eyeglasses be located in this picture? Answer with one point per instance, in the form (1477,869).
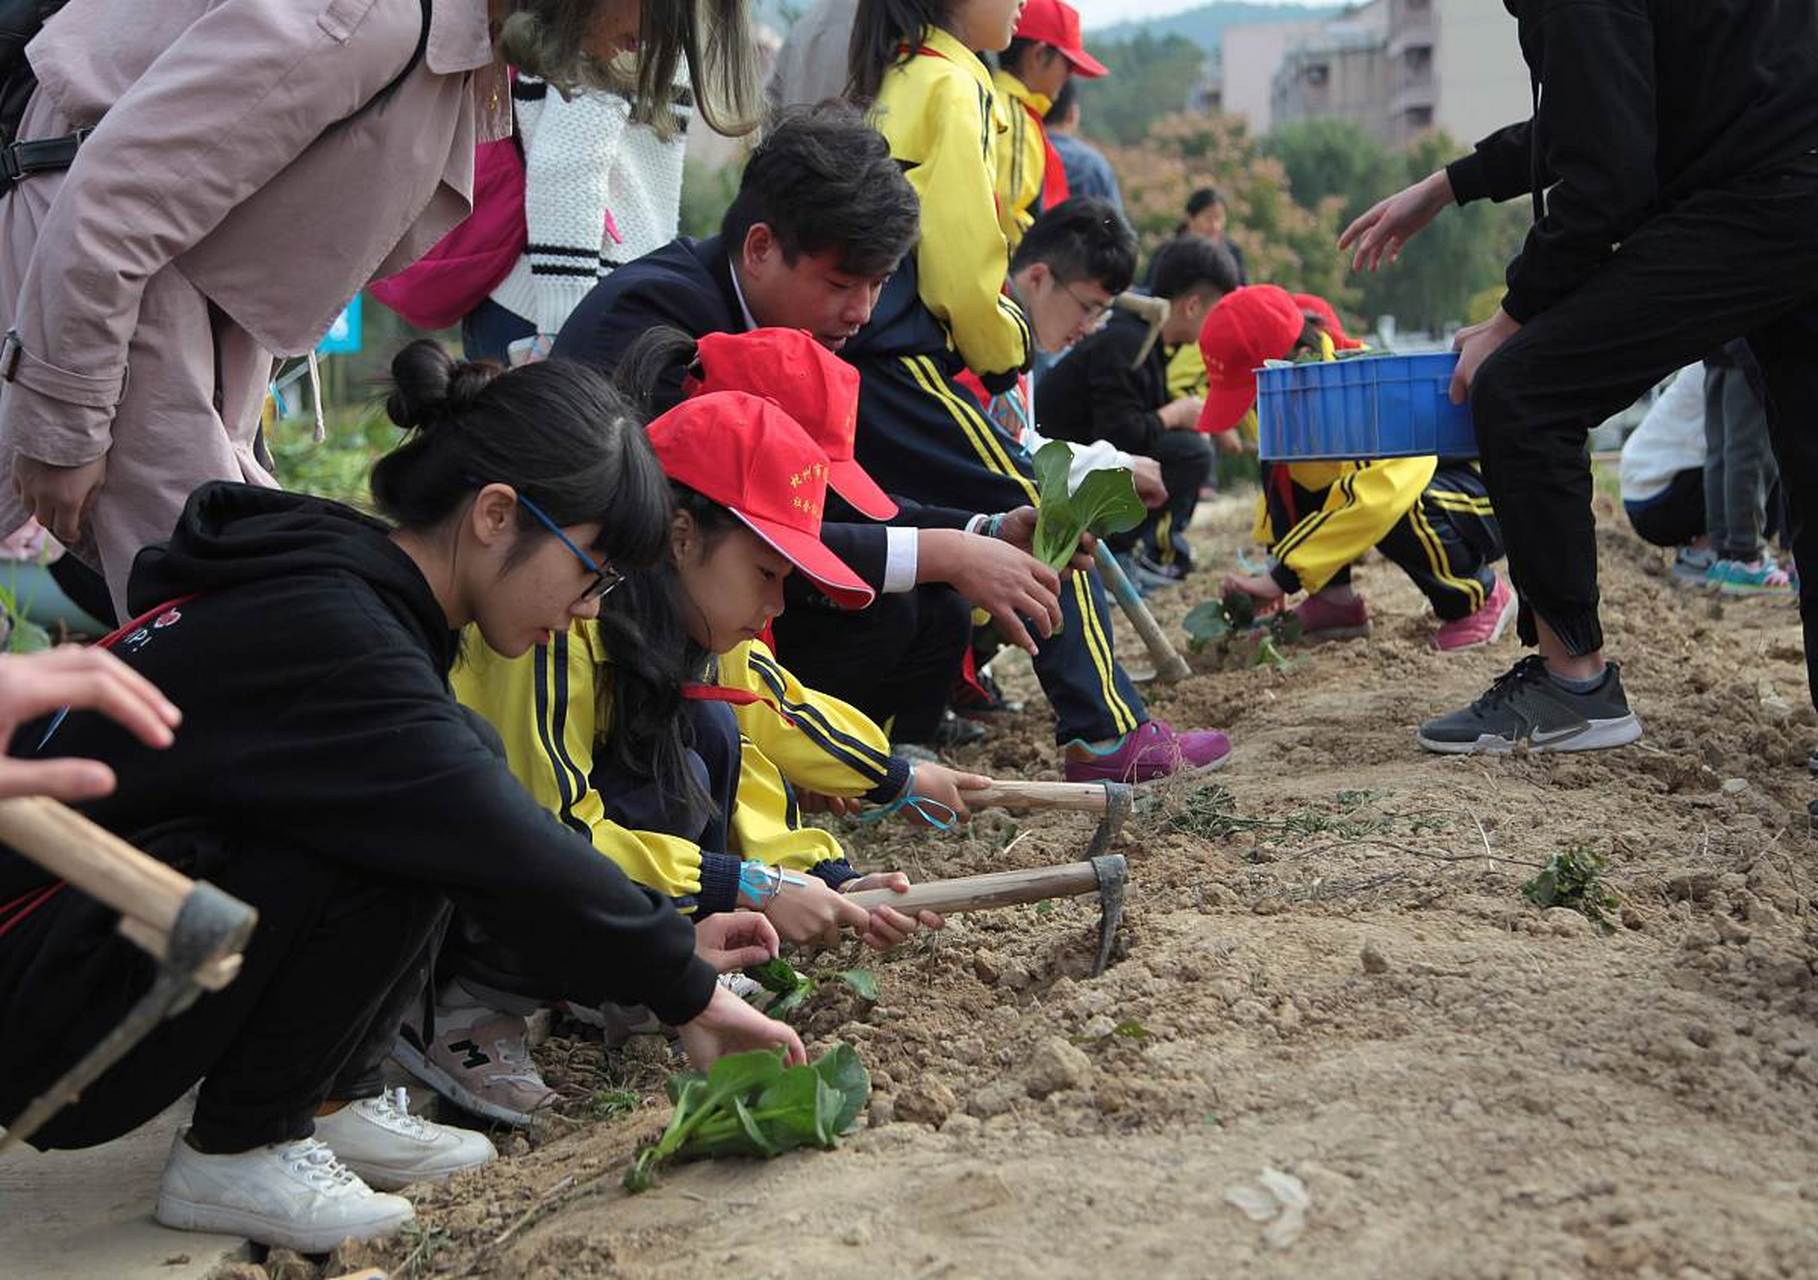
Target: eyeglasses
(1089,309)
(605,577)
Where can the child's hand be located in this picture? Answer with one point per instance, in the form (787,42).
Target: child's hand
(734,940)
(1263,589)
(946,786)
(815,802)
(812,912)
(890,927)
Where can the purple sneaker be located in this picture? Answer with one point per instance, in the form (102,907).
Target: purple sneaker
(1153,751)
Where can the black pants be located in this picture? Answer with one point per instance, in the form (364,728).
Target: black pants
(895,661)
(334,963)
(1737,261)
(1674,516)
(924,436)
(1187,462)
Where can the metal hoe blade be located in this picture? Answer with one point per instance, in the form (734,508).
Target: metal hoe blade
(209,925)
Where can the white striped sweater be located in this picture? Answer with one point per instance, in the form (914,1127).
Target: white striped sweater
(589,171)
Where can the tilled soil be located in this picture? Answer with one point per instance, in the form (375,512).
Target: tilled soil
(1328,969)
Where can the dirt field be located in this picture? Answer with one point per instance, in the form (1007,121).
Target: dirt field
(1329,972)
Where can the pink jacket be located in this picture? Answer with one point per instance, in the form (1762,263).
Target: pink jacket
(230,145)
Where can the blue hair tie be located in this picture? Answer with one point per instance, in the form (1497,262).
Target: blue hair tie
(924,808)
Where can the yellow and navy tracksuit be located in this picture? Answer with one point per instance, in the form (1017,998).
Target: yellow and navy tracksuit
(1432,518)
(1022,155)
(1433,521)
(944,125)
(921,433)
(756,731)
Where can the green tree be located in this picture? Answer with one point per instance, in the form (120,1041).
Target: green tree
(1284,242)
(1463,253)
(1149,78)
(1330,157)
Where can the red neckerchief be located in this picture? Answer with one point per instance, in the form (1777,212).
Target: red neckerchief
(1054,173)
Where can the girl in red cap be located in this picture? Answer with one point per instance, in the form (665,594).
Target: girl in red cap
(668,733)
(1428,515)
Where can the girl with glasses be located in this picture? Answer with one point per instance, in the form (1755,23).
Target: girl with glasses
(325,774)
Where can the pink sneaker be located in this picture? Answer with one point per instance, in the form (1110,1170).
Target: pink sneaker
(1483,627)
(1153,751)
(1321,619)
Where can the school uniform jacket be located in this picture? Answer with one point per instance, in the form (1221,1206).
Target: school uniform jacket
(944,124)
(551,709)
(1027,183)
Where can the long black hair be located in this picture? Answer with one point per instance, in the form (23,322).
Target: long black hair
(881,33)
(650,656)
(555,431)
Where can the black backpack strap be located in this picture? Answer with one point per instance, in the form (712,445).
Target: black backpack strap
(416,56)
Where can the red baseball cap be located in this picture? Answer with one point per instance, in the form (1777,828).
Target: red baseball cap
(1244,328)
(743,452)
(1321,310)
(806,381)
(1056,22)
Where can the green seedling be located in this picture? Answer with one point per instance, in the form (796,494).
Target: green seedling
(790,988)
(1573,879)
(750,1104)
(609,1104)
(1217,621)
(1105,502)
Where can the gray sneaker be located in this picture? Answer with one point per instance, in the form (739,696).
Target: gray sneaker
(1525,705)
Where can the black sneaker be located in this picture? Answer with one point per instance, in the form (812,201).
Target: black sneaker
(1525,705)
(955,732)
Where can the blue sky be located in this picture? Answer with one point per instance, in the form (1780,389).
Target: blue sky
(1102,13)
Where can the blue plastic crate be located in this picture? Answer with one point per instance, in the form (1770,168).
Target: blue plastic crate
(1385,406)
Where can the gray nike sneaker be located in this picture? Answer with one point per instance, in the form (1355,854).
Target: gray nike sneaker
(1525,705)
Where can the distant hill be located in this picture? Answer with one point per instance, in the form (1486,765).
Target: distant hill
(1204,24)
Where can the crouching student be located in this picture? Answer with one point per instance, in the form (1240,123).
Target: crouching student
(1104,391)
(667,732)
(325,775)
(1661,474)
(1429,516)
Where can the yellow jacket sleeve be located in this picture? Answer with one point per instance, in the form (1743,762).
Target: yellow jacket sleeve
(941,122)
(1362,504)
(767,825)
(817,742)
(1021,160)
(543,706)
(1187,373)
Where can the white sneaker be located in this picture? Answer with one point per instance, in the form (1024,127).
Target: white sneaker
(289,1195)
(381,1141)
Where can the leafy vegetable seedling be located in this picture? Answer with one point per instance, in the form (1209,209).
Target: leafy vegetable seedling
(750,1104)
(1218,621)
(790,989)
(1573,879)
(1105,502)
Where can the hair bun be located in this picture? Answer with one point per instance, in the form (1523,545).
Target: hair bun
(429,386)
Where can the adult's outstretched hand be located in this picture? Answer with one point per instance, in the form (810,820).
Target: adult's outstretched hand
(1380,232)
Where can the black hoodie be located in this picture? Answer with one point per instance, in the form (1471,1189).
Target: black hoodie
(1641,103)
(311,668)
